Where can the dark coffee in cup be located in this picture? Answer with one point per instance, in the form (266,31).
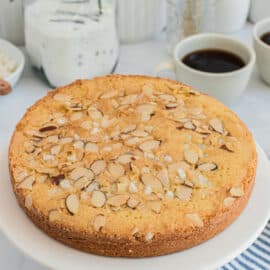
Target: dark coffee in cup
(266,38)
(213,61)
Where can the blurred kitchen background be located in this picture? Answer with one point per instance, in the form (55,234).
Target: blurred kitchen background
(71,39)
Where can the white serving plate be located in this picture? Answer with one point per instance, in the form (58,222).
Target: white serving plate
(17,56)
(209,255)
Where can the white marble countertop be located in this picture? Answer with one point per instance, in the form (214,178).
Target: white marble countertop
(253,107)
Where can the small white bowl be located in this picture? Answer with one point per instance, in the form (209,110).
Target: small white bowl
(17,56)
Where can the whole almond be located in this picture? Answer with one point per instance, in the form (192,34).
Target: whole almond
(5,88)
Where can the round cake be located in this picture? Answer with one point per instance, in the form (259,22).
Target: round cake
(131,166)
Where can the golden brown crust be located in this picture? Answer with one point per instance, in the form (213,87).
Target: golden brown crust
(116,245)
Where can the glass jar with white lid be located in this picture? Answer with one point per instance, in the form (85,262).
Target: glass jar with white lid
(71,39)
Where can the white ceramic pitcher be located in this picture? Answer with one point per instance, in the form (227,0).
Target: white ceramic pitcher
(259,10)
(139,20)
(230,15)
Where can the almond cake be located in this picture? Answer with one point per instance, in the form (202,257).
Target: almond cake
(131,166)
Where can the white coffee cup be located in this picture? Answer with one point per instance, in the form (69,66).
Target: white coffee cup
(226,87)
(262,49)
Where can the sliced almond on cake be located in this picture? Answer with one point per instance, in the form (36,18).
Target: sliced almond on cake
(98,166)
(54,215)
(116,170)
(81,172)
(27,183)
(184,193)
(91,147)
(98,198)
(164,177)
(216,125)
(149,236)
(109,94)
(149,145)
(191,156)
(207,166)
(195,219)
(237,191)
(82,183)
(151,181)
(28,201)
(132,202)
(155,206)
(128,129)
(228,201)
(73,203)
(99,222)
(78,145)
(227,147)
(125,159)
(62,97)
(118,200)
(146,111)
